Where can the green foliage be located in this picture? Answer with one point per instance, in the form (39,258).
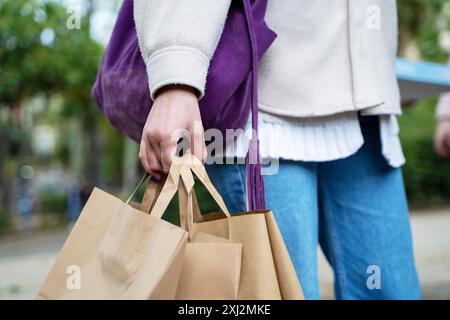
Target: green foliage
(422,21)
(112,142)
(427,176)
(10,290)
(52,203)
(38,53)
(14,136)
(4,221)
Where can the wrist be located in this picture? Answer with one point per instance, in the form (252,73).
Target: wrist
(177,87)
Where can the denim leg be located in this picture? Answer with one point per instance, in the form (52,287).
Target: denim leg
(364,226)
(229,180)
(292,196)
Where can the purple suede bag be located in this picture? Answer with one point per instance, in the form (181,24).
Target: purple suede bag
(122,93)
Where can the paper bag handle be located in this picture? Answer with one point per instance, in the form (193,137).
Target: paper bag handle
(151,192)
(145,176)
(189,208)
(182,167)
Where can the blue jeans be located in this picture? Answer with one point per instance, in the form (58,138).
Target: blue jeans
(355,208)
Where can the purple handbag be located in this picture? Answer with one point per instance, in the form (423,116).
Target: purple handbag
(122,93)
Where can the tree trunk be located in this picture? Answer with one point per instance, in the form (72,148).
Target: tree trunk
(4,148)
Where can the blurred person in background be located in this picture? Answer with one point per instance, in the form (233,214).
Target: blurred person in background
(442,134)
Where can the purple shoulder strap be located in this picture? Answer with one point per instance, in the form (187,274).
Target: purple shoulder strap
(255,182)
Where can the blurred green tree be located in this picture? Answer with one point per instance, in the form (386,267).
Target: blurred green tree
(41,54)
(421,23)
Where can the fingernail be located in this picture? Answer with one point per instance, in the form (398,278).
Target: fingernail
(156,177)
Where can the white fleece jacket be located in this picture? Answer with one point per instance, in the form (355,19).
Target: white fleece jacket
(178,39)
(329,56)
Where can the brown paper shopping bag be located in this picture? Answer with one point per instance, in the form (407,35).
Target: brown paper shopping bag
(211,269)
(116,251)
(266,270)
(211,265)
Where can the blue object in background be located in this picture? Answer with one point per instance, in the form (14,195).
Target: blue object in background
(74,202)
(25,205)
(418,79)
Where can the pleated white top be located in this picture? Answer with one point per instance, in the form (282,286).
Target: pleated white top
(317,139)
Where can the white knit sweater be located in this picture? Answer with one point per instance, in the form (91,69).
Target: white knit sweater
(317,139)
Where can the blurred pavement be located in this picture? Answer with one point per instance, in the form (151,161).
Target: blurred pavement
(26,259)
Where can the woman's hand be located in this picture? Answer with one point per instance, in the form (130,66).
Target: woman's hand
(442,138)
(175,114)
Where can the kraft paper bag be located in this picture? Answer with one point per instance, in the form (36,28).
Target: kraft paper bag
(212,265)
(211,270)
(116,251)
(266,269)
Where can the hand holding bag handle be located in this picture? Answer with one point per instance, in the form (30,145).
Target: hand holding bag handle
(187,199)
(255,182)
